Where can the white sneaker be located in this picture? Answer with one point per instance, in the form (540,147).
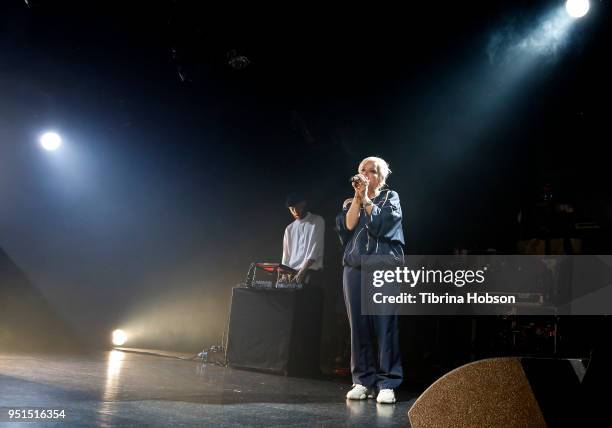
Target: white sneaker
(386,396)
(359,392)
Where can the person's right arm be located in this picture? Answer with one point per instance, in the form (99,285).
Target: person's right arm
(352,216)
(286,251)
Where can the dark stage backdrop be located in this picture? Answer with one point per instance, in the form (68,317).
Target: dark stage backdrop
(175,164)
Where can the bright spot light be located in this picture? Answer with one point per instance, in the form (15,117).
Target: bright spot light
(577,8)
(119,337)
(50,141)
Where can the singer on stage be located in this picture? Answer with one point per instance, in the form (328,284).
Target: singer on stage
(371,224)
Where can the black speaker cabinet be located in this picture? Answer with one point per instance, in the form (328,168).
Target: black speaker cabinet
(277,331)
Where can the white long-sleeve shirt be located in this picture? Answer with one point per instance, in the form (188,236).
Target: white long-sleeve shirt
(304,240)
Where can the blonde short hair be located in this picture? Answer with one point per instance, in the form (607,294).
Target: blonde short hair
(382,168)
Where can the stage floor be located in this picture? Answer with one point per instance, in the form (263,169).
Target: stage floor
(129,389)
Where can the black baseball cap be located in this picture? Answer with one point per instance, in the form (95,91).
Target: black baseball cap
(294,198)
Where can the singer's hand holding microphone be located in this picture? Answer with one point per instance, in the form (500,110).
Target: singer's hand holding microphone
(360,183)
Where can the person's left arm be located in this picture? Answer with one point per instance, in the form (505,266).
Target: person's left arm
(315,249)
(299,276)
(386,220)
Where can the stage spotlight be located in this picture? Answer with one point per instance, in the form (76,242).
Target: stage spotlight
(119,337)
(577,8)
(50,141)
